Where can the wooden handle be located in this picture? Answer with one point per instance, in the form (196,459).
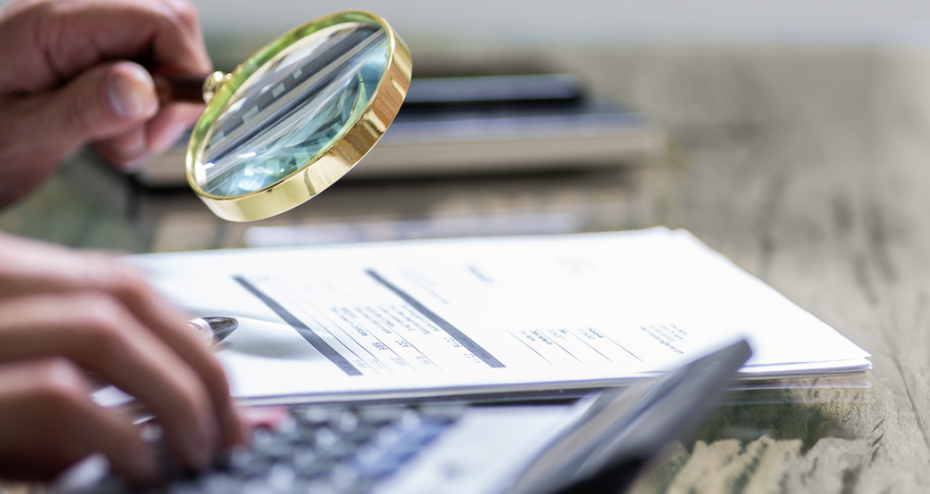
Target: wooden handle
(177,86)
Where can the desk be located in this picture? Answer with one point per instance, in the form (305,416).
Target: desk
(808,168)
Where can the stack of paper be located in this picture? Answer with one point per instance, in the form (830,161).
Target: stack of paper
(489,315)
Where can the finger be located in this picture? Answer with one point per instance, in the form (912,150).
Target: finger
(48,422)
(69,37)
(98,334)
(127,151)
(170,123)
(106,100)
(29,267)
(132,149)
(169,324)
(47,43)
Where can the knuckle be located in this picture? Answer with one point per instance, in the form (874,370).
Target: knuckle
(184,14)
(127,280)
(61,384)
(188,13)
(100,316)
(59,396)
(191,399)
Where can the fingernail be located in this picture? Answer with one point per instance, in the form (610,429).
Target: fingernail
(130,93)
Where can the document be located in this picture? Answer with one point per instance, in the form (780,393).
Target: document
(488,315)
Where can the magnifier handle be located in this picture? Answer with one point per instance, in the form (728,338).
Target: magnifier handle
(190,87)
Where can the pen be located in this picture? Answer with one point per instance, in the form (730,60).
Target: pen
(214,329)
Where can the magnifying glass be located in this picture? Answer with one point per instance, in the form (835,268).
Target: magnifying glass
(295,117)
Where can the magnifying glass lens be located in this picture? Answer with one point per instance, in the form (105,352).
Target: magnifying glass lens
(296,116)
(292,108)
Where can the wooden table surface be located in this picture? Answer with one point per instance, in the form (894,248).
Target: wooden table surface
(806,166)
(810,169)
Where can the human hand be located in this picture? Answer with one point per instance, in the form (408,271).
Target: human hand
(63,313)
(74,72)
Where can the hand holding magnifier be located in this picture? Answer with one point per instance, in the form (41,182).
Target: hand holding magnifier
(295,117)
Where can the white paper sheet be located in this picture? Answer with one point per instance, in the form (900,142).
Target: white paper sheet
(488,315)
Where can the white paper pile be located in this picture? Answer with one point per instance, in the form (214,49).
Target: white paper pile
(489,315)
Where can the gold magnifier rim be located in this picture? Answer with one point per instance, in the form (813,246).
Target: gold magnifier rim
(332,162)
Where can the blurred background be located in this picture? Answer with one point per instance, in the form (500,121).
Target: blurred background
(430,24)
(724,90)
(236,28)
(234,25)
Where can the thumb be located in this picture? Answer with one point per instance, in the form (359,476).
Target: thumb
(38,130)
(105,100)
